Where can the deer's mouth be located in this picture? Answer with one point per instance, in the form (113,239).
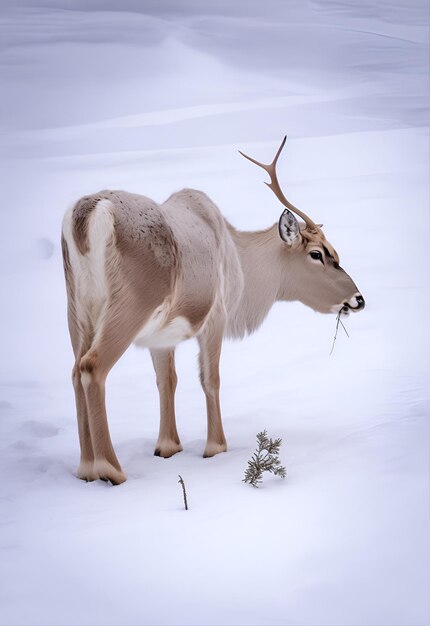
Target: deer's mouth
(344,311)
(341,309)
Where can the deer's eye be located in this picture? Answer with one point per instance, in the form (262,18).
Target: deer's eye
(316,255)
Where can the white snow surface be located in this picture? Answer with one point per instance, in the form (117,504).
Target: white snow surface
(152,97)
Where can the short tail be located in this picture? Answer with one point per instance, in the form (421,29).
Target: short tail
(88,232)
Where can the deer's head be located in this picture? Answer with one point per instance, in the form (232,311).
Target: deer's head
(312,271)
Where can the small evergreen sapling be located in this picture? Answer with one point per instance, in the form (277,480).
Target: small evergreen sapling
(264,459)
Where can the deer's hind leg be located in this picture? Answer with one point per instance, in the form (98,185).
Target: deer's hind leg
(86,466)
(81,340)
(80,344)
(117,330)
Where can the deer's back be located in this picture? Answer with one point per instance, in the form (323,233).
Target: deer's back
(176,258)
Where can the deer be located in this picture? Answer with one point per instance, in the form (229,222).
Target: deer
(158,274)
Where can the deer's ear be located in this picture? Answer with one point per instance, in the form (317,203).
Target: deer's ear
(289,230)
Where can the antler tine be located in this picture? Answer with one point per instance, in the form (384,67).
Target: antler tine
(281,147)
(274,185)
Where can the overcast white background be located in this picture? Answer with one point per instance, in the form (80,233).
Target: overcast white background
(152,97)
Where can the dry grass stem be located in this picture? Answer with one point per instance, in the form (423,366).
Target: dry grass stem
(338,321)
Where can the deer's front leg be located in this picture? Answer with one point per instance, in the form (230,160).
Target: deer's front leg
(210,351)
(168,440)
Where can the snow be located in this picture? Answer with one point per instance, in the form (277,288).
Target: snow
(152,97)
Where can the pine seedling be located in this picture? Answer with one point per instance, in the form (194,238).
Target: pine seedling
(264,459)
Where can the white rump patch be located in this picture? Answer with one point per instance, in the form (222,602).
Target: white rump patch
(100,229)
(89,270)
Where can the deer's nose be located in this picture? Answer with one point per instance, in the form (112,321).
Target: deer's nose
(360,302)
(356,303)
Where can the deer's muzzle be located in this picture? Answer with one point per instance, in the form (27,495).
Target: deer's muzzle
(356,303)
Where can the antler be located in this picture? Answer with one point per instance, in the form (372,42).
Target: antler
(276,188)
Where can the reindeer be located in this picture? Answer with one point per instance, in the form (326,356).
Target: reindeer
(157,275)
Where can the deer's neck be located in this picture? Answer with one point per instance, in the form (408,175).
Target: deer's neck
(260,257)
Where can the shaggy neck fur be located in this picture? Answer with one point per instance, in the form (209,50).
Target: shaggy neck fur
(262,257)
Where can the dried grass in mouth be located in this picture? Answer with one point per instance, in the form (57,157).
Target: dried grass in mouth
(338,321)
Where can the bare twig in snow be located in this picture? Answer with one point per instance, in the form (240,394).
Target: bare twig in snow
(184,491)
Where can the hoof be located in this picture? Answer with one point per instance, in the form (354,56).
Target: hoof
(167,448)
(214,448)
(86,471)
(107,472)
